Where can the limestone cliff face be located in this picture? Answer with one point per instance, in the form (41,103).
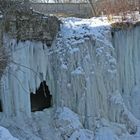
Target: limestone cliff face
(86,69)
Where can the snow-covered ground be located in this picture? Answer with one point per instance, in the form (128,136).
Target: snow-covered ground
(91,87)
(5,135)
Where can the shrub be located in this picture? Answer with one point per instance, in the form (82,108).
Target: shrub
(118,7)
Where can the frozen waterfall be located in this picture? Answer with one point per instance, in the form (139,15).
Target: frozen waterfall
(86,69)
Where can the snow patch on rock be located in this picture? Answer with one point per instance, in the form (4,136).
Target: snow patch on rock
(69,126)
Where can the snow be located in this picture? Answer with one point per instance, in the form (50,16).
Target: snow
(82,134)
(68,116)
(106,134)
(69,126)
(75,29)
(64,66)
(5,135)
(77,71)
(27,69)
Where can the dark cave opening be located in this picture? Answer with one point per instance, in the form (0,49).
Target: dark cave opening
(1,106)
(41,99)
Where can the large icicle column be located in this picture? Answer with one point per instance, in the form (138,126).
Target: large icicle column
(127,46)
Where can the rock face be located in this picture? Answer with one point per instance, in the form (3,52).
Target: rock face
(24,25)
(87,70)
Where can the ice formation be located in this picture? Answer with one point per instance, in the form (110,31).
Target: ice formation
(89,82)
(69,125)
(29,67)
(88,71)
(127,46)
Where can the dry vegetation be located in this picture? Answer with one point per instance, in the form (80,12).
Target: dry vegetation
(118,8)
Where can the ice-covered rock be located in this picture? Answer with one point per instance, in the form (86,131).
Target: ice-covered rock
(68,124)
(37,127)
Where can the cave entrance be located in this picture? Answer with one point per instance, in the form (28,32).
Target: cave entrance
(41,99)
(1,106)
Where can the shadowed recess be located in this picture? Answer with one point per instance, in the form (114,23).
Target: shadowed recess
(41,99)
(1,107)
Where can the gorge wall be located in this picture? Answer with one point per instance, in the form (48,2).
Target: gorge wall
(88,69)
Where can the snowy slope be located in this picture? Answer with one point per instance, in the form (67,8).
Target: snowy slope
(5,135)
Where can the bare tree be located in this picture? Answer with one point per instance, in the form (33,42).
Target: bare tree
(139,6)
(92,2)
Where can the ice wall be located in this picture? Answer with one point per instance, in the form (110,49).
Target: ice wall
(87,76)
(84,74)
(86,70)
(127,46)
(29,66)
